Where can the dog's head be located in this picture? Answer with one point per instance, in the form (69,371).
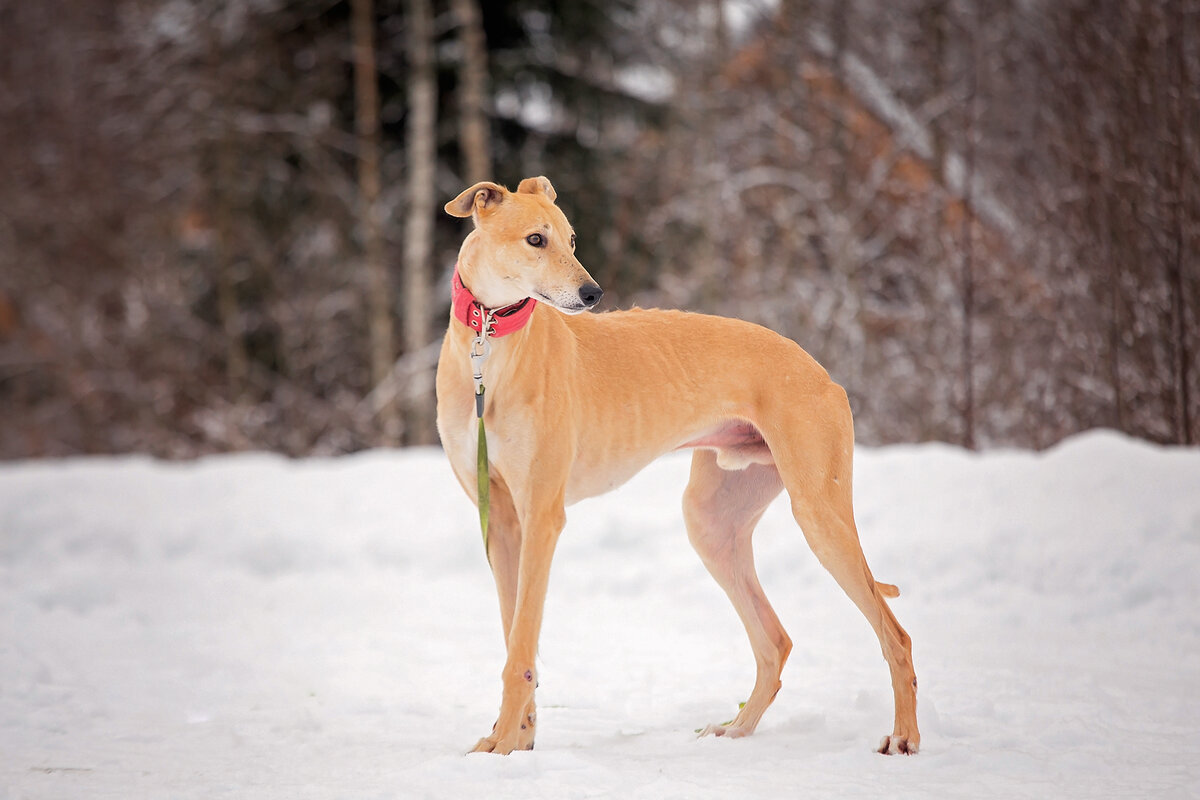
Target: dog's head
(522,246)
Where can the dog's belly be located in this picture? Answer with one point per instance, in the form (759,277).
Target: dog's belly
(591,478)
(737,442)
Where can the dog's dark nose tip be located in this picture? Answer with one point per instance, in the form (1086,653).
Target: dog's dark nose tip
(590,294)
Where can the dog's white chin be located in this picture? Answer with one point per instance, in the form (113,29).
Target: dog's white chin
(571,310)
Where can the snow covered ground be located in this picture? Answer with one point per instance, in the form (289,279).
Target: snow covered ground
(250,627)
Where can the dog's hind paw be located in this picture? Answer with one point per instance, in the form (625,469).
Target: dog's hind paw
(895,745)
(728,730)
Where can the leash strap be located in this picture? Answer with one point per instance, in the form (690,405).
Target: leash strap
(481,348)
(481,470)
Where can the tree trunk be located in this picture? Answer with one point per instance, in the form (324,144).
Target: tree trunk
(418,234)
(934,26)
(219,184)
(1183,423)
(379,292)
(1105,230)
(841,136)
(236,366)
(968,247)
(473,139)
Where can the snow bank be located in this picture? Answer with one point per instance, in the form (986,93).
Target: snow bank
(250,627)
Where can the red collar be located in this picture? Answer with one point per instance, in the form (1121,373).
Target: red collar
(472,313)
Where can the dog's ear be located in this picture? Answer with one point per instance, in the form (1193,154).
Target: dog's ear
(482,195)
(539,184)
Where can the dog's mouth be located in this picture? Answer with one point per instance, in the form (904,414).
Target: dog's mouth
(576,308)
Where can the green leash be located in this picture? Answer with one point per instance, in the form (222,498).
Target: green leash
(481,470)
(481,348)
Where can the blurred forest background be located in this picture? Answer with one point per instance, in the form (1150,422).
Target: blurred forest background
(221,225)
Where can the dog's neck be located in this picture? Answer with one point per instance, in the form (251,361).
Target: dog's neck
(478,317)
(508,354)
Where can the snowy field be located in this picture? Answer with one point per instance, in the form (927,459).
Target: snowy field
(250,627)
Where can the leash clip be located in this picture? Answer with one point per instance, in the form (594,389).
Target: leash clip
(481,348)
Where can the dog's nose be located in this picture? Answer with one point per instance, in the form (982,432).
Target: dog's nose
(590,294)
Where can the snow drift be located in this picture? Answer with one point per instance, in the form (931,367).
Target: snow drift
(246,626)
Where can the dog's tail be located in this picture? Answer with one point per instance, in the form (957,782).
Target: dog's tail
(887,589)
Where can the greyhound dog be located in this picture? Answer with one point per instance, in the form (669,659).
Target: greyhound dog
(575,404)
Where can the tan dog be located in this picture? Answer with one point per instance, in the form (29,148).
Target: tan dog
(576,405)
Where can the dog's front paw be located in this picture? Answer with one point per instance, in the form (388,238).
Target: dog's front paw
(895,745)
(503,745)
(499,746)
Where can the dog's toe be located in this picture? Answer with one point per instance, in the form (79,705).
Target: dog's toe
(499,747)
(897,745)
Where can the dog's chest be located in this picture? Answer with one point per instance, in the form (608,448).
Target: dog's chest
(459,428)
(507,440)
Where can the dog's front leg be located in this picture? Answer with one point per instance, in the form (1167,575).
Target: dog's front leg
(540,527)
(504,549)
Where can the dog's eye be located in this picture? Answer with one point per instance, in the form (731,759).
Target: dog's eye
(572,241)
(536,239)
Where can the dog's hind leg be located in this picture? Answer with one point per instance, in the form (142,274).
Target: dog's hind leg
(721,508)
(815,461)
